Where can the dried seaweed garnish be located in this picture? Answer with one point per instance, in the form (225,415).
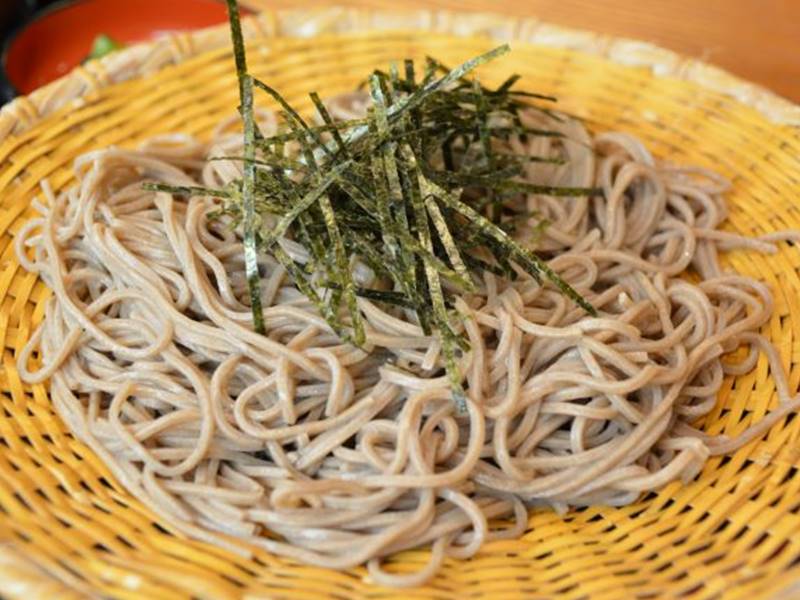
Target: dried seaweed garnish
(187,190)
(248,178)
(311,197)
(417,190)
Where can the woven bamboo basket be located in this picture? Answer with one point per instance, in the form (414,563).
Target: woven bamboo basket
(69,530)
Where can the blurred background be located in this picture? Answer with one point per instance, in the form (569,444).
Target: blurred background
(758,40)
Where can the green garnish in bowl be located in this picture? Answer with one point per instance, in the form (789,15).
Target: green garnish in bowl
(103,44)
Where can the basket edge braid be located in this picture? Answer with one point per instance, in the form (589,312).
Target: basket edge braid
(23,112)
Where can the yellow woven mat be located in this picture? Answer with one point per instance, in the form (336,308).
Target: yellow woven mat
(733,533)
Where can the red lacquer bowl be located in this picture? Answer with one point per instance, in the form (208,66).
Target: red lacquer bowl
(60,37)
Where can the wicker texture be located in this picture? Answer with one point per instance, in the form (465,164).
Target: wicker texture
(733,533)
(24,112)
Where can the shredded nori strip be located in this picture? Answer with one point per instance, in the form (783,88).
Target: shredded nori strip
(248,178)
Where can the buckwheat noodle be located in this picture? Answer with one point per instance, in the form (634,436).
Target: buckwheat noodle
(335,456)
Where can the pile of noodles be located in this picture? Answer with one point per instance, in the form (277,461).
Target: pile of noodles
(338,456)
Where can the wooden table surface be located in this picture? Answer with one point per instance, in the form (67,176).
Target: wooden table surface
(758,40)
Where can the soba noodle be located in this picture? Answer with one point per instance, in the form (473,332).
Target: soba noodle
(337,456)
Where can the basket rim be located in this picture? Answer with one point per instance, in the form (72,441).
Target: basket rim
(24,112)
